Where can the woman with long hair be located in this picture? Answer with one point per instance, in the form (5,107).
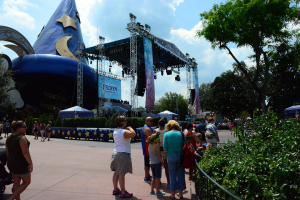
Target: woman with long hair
(19,160)
(173,144)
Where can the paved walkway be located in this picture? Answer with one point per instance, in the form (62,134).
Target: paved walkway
(72,169)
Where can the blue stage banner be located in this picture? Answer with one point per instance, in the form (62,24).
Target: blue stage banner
(170,47)
(111,88)
(197,91)
(150,89)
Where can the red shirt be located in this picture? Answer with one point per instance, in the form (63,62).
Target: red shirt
(194,141)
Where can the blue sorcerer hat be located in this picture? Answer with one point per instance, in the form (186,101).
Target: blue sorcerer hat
(62,33)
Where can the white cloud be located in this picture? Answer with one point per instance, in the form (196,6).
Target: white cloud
(211,62)
(175,3)
(22,3)
(13,14)
(2,48)
(84,7)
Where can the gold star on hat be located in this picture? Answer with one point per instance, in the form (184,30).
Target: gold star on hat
(67,21)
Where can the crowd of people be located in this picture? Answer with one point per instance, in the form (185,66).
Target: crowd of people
(161,149)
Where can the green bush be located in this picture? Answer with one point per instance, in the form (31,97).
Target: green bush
(57,122)
(110,123)
(84,122)
(263,165)
(29,123)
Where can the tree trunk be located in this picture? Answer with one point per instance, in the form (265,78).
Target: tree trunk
(263,105)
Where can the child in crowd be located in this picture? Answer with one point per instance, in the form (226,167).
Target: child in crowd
(189,140)
(35,130)
(156,162)
(199,136)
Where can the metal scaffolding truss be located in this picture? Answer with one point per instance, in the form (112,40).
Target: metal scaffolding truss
(135,29)
(132,28)
(100,67)
(188,78)
(80,75)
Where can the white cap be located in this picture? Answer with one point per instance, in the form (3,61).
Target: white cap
(248,118)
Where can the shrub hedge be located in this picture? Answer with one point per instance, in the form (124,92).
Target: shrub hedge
(103,123)
(84,122)
(262,165)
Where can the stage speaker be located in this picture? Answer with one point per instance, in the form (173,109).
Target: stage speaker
(169,72)
(141,80)
(192,96)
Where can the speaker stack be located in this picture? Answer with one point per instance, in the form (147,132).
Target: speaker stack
(192,97)
(141,80)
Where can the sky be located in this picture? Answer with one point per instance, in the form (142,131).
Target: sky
(173,20)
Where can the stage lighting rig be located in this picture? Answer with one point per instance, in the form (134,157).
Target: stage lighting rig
(132,17)
(155,77)
(169,71)
(147,28)
(177,78)
(162,72)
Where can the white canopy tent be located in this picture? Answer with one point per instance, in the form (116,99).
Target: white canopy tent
(167,114)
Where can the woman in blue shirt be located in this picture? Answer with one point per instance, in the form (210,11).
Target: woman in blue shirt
(173,144)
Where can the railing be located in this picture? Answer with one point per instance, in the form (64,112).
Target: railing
(206,188)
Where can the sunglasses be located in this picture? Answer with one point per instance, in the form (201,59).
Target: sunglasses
(150,121)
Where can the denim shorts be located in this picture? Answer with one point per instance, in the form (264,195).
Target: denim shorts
(176,172)
(156,170)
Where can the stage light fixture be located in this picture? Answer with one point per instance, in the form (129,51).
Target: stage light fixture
(123,74)
(177,78)
(109,70)
(169,71)
(148,28)
(91,62)
(162,72)
(155,77)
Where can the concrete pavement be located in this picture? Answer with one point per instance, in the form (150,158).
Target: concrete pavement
(72,169)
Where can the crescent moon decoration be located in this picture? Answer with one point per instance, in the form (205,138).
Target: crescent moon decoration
(63,49)
(11,35)
(67,21)
(17,49)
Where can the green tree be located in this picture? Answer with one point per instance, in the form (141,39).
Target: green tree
(205,96)
(232,95)
(168,102)
(285,80)
(5,77)
(260,25)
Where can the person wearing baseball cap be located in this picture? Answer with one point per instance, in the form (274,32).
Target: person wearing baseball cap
(247,125)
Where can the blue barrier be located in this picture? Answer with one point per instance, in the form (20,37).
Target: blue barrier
(68,132)
(55,132)
(103,134)
(87,133)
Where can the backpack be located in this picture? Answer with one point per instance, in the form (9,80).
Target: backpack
(210,131)
(49,127)
(187,155)
(36,128)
